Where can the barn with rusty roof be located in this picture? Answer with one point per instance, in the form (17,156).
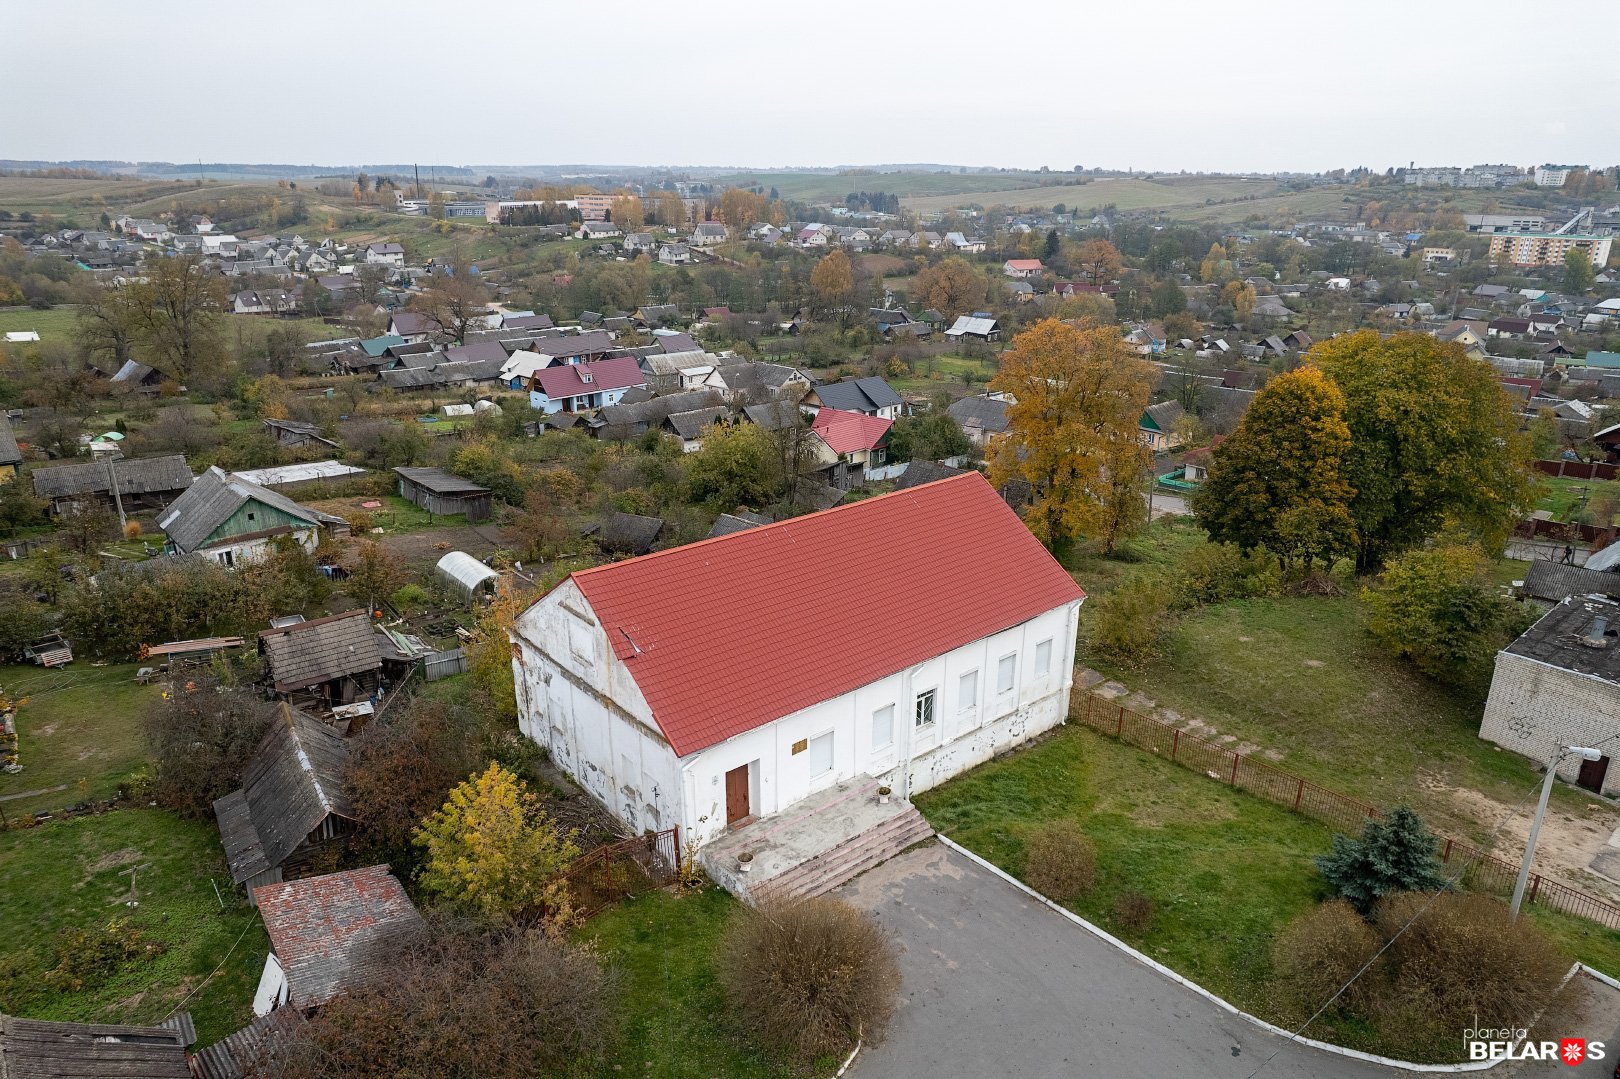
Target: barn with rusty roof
(698,687)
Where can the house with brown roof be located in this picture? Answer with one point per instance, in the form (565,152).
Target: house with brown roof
(324,663)
(331,935)
(292,804)
(674,689)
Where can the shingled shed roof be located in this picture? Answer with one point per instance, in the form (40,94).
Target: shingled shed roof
(34,1049)
(626,533)
(336,933)
(441,482)
(741,521)
(1551,580)
(251,1050)
(293,782)
(9,453)
(718,606)
(137,477)
(310,653)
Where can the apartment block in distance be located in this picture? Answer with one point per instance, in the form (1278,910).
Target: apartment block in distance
(1546,249)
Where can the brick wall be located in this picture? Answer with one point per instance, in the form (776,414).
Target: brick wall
(1535,708)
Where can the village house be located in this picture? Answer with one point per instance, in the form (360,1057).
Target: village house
(598,230)
(1558,685)
(708,234)
(1157,428)
(625,533)
(584,386)
(324,663)
(870,396)
(969,653)
(855,442)
(1022,269)
(441,492)
(293,803)
(10,455)
(674,255)
(979,327)
(296,434)
(637,242)
(139,483)
(232,520)
(981,417)
(385,254)
(331,935)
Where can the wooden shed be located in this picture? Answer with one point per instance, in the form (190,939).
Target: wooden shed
(324,662)
(438,491)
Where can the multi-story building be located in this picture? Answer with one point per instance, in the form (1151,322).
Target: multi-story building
(1547,249)
(1554,175)
(1505,223)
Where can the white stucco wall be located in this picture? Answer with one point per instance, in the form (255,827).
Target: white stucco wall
(576,699)
(256,549)
(1535,707)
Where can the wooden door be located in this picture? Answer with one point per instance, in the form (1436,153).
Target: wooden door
(737,794)
(1592,773)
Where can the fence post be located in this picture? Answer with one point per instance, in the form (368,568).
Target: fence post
(1445,853)
(1535,886)
(1119,728)
(1298,794)
(1175,746)
(1236,757)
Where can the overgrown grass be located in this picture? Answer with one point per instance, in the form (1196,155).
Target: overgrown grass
(81,873)
(397,515)
(81,727)
(673,1007)
(1225,870)
(55,324)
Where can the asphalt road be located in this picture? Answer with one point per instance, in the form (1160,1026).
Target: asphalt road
(998,985)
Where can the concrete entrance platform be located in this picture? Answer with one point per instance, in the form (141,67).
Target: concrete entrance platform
(816,845)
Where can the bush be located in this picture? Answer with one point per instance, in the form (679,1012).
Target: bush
(88,957)
(460,1004)
(1438,608)
(1395,854)
(1318,952)
(1462,957)
(1126,623)
(401,768)
(1133,911)
(132,530)
(1217,572)
(811,978)
(201,737)
(1060,862)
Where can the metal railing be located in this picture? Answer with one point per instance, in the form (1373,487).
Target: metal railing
(619,870)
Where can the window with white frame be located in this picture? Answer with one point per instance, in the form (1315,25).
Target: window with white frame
(821,754)
(1006,672)
(1043,658)
(924,718)
(883,727)
(967,691)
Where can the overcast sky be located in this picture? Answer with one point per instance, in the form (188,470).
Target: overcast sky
(1147,84)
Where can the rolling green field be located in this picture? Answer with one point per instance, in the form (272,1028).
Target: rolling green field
(815,185)
(55,324)
(1126,193)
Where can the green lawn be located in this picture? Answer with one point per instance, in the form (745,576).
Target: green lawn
(77,873)
(673,1008)
(1225,870)
(397,515)
(56,324)
(81,727)
(1564,496)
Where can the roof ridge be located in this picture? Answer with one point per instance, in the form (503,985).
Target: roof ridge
(763,529)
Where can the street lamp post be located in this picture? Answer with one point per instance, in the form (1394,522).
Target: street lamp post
(1541,811)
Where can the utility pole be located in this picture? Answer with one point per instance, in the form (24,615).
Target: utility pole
(118,500)
(1541,811)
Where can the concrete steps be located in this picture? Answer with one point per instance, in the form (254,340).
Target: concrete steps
(840,864)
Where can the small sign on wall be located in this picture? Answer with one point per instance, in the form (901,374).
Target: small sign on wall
(801,745)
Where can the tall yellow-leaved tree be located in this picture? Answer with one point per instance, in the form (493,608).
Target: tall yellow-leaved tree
(1072,431)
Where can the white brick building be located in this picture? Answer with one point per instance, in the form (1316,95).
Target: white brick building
(1559,685)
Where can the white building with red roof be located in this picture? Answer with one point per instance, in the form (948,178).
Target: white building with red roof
(852,438)
(697,687)
(580,387)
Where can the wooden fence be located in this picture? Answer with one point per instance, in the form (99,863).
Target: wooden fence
(619,870)
(444,664)
(1339,811)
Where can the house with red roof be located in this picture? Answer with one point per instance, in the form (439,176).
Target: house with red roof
(852,440)
(696,687)
(581,387)
(1022,269)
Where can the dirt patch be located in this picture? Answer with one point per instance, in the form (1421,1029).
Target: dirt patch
(113,859)
(44,732)
(1569,839)
(431,544)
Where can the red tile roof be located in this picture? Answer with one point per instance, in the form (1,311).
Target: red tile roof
(849,432)
(336,932)
(565,381)
(718,638)
(1025,264)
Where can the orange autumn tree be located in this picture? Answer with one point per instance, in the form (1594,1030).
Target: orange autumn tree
(1279,482)
(1072,431)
